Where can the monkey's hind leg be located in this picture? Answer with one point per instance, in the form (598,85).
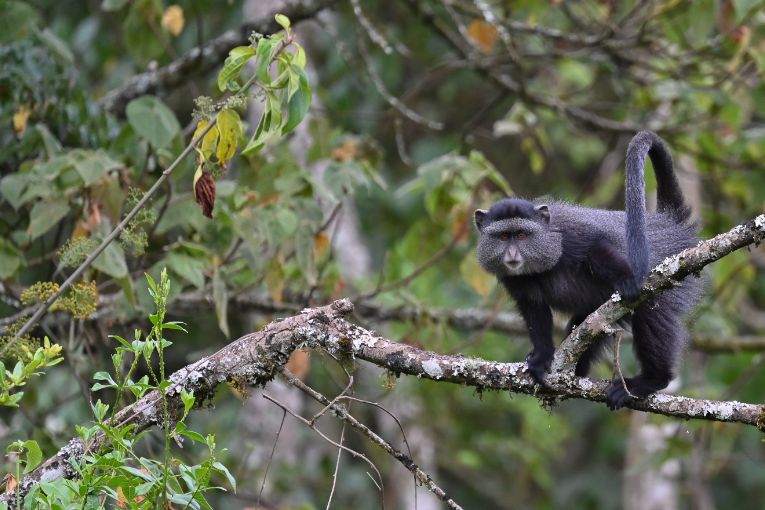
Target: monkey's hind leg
(658,338)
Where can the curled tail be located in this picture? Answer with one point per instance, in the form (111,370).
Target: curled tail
(669,197)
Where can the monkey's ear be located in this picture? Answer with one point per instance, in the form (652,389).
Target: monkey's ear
(544,212)
(479,216)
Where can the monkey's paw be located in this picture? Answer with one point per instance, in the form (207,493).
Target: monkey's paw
(539,364)
(616,395)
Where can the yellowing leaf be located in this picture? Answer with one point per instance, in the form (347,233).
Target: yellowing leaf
(349,150)
(483,34)
(197,175)
(275,280)
(20,120)
(478,279)
(320,243)
(210,140)
(173,20)
(229,128)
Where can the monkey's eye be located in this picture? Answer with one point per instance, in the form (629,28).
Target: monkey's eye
(521,236)
(504,236)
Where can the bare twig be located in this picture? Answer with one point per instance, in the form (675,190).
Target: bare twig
(271,458)
(407,461)
(337,468)
(390,98)
(353,452)
(618,363)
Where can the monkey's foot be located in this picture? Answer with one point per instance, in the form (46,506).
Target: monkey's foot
(539,364)
(639,388)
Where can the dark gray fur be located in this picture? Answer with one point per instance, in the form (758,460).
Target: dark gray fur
(572,258)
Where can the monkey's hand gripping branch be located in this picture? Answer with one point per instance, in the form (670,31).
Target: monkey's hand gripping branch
(667,274)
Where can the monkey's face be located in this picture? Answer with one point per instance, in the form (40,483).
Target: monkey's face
(517,246)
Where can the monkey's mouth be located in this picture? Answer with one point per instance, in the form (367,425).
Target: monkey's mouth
(513,265)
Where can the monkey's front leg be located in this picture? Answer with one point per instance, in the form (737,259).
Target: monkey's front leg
(538,318)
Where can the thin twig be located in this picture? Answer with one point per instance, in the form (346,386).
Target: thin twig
(618,364)
(337,468)
(360,455)
(390,98)
(331,403)
(407,461)
(400,427)
(271,458)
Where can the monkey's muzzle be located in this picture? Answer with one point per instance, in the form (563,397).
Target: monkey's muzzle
(512,259)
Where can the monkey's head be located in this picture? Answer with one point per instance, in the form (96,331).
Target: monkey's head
(516,238)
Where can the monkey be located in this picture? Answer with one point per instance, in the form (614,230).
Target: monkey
(556,255)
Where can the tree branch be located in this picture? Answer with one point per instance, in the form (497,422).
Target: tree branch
(204,59)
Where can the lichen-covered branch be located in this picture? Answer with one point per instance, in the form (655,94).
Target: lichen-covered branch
(206,58)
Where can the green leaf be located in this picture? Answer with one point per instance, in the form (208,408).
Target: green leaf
(50,142)
(92,165)
(17,20)
(11,188)
(34,455)
(287,222)
(112,261)
(153,121)
(266,48)
(304,252)
(187,267)
(233,65)
(220,297)
(188,399)
(283,20)
(10,259)
(56,45)
(183,430)
(262,135)
(299,102)
(220,468)
(46,215)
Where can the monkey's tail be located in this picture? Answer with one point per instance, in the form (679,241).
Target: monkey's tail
(669,196)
